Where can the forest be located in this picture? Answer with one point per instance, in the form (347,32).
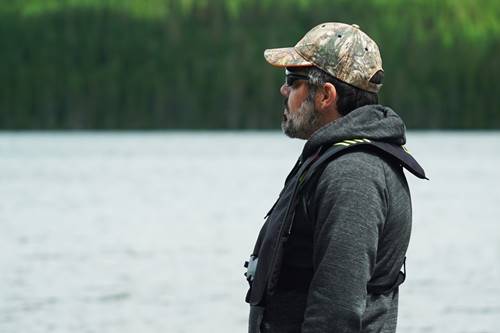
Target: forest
(198,64)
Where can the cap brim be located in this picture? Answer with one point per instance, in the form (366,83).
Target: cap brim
(285,57)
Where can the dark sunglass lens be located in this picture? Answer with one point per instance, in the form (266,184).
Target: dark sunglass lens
(291,78)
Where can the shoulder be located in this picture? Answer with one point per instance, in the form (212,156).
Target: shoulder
(351,189)
(357,166)
(362,173)
(352,177)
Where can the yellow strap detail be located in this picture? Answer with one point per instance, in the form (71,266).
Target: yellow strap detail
(347,143)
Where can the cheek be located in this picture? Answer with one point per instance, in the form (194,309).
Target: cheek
(297,97)
(294,101)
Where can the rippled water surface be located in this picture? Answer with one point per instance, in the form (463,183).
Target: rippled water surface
(141,232)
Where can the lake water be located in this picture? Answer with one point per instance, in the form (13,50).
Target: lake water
(147,232)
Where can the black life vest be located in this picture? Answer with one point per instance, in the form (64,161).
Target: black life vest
(265,261)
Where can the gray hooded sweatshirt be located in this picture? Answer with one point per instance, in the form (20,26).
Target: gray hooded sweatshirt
(349,236)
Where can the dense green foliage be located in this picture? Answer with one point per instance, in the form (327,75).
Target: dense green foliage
(199,64)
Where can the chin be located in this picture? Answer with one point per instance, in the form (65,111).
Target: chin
(285,128)
(292,132)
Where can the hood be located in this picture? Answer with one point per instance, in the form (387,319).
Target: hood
(373,122)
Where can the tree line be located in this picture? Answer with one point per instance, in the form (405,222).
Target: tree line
(92,64)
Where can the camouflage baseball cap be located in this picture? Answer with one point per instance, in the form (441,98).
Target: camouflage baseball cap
(339,49)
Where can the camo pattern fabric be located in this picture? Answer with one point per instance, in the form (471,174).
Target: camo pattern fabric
(341,50)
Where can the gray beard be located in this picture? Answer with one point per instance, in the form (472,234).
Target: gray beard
(301,124)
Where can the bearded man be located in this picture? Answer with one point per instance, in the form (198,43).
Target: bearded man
(330,254)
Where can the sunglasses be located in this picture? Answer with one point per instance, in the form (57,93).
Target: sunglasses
(291,77)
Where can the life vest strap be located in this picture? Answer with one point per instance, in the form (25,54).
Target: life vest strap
(399,152)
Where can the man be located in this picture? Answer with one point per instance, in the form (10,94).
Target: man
(329,256)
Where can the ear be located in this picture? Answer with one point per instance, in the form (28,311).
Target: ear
(326,98)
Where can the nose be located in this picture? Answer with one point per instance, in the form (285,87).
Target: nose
(284,90)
